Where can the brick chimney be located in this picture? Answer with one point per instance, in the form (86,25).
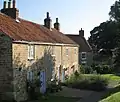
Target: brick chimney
(57,25)
(13,12)
(47,21)
(81,32)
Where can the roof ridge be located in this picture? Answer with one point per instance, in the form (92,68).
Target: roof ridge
(81,40)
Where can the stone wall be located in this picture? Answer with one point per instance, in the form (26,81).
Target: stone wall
(22,65)
(70,60)
(6,71)
(45,59)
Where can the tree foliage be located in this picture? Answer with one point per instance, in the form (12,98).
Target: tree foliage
(107,34)
(115,11)
(115,15)
(104,35)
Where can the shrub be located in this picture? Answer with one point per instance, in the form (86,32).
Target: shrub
(91,82)
(31,89)
(102,69)
(85,69)
(88,70)
(54,86)
(81,69)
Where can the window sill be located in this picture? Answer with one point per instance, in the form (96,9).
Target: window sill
(83,58)
(53,55)
(29,59)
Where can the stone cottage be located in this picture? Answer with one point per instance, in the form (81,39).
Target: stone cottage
(85,50)
(27,48)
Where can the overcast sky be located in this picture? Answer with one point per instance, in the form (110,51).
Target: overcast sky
(72,14)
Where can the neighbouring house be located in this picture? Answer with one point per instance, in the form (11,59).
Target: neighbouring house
(85,50)
(28,49)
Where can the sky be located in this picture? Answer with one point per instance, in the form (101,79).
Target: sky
(73,14)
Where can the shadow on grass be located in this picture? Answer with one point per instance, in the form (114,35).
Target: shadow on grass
(111,91)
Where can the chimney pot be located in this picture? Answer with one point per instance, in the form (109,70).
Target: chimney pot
(47,21)
(9,4)
(56,20)
(47,14)
(14,2)
(57,25)
(4,5)
(81,32)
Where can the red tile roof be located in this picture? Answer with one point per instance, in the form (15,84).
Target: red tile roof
(29,31)
(80,40)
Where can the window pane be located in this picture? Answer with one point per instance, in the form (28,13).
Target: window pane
(31,49)
(66,51)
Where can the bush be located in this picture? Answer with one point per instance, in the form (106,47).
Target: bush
(81,69)
(85,69)
(31,89)
(102,69)
(53,87)
(91,82)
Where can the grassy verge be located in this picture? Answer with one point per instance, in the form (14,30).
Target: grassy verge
(113,98)
(112,91)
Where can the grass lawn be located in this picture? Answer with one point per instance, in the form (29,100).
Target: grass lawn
(58,99)
(113,79)
(113,98)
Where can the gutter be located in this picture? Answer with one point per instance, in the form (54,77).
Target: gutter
(43,43)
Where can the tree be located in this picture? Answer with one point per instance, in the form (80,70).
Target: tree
(104,36)
(115,11)
(115,16)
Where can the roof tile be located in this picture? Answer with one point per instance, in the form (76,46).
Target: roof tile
(29,31)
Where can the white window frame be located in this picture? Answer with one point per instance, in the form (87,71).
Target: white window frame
(53,50)
(75,51)
(31,51)
(82,55)
(83,62)
(67,51)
